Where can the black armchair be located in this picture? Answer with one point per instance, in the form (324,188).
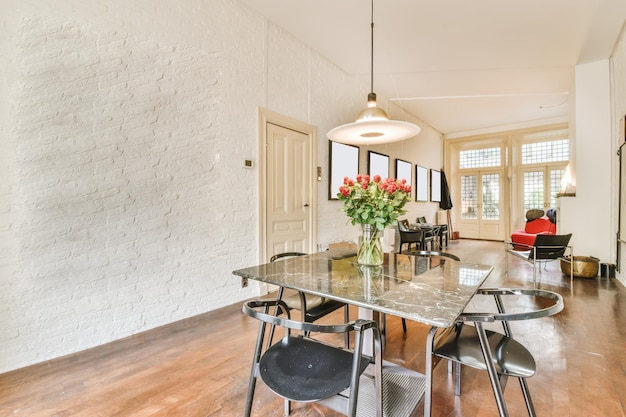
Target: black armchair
(546,248)
(409,236)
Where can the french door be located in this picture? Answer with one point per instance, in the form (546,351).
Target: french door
(539,186)
(481,194)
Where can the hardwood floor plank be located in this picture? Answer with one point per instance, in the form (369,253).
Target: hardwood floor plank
(200,366)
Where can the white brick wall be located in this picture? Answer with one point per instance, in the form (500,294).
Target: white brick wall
(124,203)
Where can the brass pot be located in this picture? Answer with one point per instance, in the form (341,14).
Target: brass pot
(584,266)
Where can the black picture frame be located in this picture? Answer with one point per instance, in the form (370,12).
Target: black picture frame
(344,162)
(404,170)
(421,183)
(377,164)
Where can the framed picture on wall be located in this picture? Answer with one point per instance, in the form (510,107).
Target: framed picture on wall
(377,164)
(435,185)
(404,171)
(344,162)
(421,183)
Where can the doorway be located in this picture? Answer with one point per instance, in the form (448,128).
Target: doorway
(287,192)
(481,195)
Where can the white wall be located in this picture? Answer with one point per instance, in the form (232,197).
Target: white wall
(618,80)
(124,201)
(588,215)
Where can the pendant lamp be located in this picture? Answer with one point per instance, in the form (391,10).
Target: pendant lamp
(372,125)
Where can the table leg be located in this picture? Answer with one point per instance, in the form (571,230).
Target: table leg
(429,372)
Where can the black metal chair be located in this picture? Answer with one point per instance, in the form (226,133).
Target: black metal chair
(546,248)
(312,307)
(498,353)
(409,236)
(300,368)
(440,231)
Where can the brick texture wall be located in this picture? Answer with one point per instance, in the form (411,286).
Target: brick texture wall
(124,204)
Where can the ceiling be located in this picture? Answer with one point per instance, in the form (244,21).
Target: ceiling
(460,65)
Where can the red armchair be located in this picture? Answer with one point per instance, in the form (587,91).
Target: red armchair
(542,225)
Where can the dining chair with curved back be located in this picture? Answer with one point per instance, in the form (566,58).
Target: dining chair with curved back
(312,307)
(498,353)
(410,236)
(300,368)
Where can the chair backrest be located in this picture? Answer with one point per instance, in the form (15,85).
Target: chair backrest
(403,226)
(547,308)
(286,255)
(550,247)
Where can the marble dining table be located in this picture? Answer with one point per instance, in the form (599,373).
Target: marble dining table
(432,290)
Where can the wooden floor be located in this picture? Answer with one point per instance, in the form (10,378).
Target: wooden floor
(200,366)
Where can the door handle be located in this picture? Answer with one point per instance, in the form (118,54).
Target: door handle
(306,205)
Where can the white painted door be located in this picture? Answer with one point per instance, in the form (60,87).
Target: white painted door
(288,184)
(539,187)
(481,195)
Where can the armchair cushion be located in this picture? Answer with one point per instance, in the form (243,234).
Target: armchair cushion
(542,225)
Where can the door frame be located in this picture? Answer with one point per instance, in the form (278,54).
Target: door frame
(270,117)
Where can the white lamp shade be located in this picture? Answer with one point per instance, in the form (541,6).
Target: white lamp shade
(373,132)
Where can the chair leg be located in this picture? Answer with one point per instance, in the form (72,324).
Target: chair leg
(253,372)
(346,317)
(270,337)
(491,368)
(506,259)
(529,401)
(287,408)
(457,379)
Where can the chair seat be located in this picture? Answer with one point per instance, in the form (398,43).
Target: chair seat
(304,370)
(293,301)
(510,357)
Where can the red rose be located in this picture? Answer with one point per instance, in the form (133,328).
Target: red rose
(377,179)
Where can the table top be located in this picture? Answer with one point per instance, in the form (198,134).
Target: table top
(431,290)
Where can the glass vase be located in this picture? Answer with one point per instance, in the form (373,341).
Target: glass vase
(370,251)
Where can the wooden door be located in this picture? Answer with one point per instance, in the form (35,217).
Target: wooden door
(289,187)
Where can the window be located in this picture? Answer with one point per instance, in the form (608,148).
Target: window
(480,158)
(545,152)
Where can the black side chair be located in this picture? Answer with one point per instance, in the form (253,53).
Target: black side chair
(546,248)
(299,368)
(497,353)
(312,307)
(409,236)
